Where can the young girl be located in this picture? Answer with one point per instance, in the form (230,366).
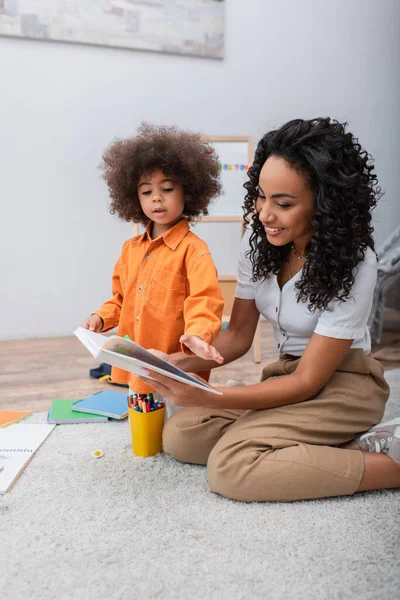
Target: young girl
(165,288)
(308,265)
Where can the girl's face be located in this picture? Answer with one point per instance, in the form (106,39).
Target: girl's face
(162,199)
(285,204)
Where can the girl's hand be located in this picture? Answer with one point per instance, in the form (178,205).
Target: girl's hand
(180,394)
(93,323)
(201,348)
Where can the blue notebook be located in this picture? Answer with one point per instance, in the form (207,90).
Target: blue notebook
(109,404)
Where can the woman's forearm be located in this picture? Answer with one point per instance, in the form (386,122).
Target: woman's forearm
(274,392)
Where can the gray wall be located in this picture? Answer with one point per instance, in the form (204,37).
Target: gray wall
(62,104)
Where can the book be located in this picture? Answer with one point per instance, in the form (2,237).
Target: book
(7,417)
(17,446)
(125,354)
(61,412)
(108,404)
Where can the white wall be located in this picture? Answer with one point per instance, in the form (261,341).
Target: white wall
(62,104)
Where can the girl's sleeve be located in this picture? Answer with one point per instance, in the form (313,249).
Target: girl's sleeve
(110,311)
(204,304)
(348,319)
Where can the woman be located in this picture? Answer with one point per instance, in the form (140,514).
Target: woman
(308,265)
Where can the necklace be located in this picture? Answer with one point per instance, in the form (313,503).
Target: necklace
(299,256)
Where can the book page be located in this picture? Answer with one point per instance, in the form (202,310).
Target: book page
(91,340)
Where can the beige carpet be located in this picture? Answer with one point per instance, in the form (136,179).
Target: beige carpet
(123,528)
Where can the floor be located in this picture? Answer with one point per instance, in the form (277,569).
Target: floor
(35,372)
(331,548)
(123,527)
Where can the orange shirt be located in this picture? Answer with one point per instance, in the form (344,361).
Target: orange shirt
(163,288)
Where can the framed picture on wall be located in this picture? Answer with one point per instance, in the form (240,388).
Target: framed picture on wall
(194,27)
(235,156)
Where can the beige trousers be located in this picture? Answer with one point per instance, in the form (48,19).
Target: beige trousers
(286,453)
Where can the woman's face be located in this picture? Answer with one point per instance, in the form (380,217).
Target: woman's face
(285,204)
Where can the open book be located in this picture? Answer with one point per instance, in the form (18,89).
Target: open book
(125,354)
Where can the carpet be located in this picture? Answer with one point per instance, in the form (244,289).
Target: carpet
(124,528)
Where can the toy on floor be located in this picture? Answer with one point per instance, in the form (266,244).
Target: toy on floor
(97,453)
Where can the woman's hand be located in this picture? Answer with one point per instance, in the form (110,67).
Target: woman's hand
(200,348)
(169,358)
(159,354)
(180,394)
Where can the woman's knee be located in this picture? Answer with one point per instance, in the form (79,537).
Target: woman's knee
(174,438)
(228,470)
(180,439)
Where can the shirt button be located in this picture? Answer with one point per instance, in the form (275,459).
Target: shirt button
(148,256)
(137,318)
(279,345)
(284,334)
(140,288)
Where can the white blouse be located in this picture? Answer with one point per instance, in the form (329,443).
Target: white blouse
(293,323)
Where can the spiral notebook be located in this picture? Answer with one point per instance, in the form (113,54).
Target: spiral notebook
(18,443)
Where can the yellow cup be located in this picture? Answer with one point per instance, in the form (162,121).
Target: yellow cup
(146,431)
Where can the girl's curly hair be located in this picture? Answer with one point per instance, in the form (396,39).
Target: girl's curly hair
(345,188)
(180,154)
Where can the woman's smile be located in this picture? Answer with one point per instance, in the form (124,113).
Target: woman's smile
(273,231)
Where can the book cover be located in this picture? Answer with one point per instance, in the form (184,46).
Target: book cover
(61,412)
(108,404)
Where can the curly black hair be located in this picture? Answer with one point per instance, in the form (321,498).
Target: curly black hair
(180,154)
(345,188)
